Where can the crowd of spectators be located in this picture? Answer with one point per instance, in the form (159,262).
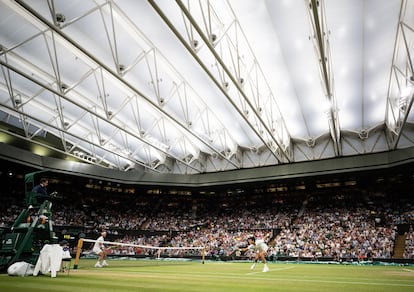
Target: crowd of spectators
(409,244)
(344,225)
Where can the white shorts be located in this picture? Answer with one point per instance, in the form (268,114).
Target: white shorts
(262,247)
(97,250)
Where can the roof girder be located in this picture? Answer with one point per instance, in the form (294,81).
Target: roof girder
(400,95)
(266,134)
(320,39)
(113,74)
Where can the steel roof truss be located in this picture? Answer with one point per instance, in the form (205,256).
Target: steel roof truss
(240,60)
(401,84)
(320,39)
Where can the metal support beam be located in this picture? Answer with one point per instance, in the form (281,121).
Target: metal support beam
(401,83)
(282,155)
(116,76)
(321,43)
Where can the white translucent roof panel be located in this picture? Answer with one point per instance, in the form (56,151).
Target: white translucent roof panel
(203,86)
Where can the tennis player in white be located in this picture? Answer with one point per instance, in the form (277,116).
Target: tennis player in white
(99,249)
(260,246)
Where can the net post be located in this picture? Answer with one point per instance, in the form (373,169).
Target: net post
(78,252)
(203,253)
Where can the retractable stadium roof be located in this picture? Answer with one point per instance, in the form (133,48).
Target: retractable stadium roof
(187,87)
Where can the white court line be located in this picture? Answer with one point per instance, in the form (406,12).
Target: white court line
(253,273)
(209,276)
(408,270)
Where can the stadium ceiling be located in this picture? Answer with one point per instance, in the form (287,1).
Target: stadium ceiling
(189,87)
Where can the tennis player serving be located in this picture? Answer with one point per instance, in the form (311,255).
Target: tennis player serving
(260,246)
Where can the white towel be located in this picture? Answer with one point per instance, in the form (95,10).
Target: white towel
(49,260)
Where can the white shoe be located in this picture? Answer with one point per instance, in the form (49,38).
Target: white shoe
(265,269)
(104,264)
(252,267)
(98,265)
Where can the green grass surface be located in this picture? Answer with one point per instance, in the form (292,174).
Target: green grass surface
(154,275)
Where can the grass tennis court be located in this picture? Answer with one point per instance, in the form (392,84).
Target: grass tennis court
(155,275)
